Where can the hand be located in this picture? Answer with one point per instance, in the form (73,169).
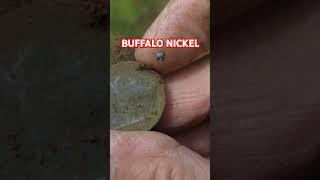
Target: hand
(184,155)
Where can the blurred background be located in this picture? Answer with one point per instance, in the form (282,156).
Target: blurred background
(53,90)
(130,18)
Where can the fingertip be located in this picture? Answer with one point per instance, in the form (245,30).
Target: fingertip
(191,21)
(174,59)
(149,56)
(144,55)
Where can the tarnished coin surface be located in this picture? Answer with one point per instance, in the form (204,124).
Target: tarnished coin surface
(137,97)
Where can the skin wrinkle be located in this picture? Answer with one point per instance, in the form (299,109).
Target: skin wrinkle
(141,154)
(164,168)
(190,163)
(197,139)
(132,141)
(189,108)
(181,93)
(168,159)
(175,172)
(162,142)
(119,140)
(186,103)
(187,98)
(181,156)
(164,165)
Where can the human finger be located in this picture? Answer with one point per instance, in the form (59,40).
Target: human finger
(151,156)
(179,19)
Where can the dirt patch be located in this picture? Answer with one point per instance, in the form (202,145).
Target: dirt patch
(97,10)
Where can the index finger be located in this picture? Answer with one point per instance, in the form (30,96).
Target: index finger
(179,19)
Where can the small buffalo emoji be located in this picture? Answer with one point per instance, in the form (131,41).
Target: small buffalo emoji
(160,56)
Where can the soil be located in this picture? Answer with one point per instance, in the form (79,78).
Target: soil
(53,107)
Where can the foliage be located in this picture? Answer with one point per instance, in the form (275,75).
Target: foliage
(130,18)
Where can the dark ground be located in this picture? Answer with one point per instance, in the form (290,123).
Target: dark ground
(53,91)
(266,94)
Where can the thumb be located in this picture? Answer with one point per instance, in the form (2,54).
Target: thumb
(179,19)
(151,156)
